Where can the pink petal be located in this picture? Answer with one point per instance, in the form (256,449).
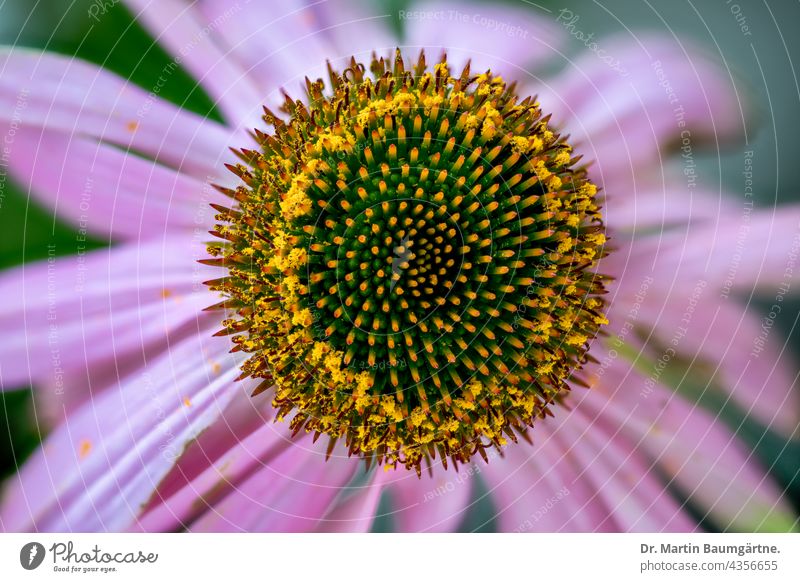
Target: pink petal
(696,270)
(705,461)
(354,28)
(243,443)
(504,38)
(742,253)
(539,489)
(183,31)
(100,313)
(69,95)
(110,193)
(231,441)
(638,500)
(626,118)
(437,504)
(280,44)
(655,211)
(208,471)
(276,44)
(96,471)
(245,53)
(292,493)
(575,479)
(356,512)
(741,354)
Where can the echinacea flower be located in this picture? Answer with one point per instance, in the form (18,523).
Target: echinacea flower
(410,263)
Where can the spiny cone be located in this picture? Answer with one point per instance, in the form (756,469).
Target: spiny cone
(411,262)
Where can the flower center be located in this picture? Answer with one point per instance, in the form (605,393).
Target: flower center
(410,262)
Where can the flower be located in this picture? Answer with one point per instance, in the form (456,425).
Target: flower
(151,430)
(411,294)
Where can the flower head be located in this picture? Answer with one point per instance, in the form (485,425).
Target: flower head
(411,261)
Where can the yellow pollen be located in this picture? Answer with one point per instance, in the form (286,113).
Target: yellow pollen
(84,448)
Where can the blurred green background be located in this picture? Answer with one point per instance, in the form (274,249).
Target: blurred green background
(762,59)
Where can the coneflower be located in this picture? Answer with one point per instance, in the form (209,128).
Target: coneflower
(409,265)
(411,261)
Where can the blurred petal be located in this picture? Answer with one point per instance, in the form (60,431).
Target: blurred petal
(533,489)
(182,30)
(99,313)
(231,451)
(636,497)
(245,53)
(291,493)
(279,44)
(96,471)
(653,212)
(106,191)
(656,93)
(558,497)
(705,461)
(509,40)
(356,513)
(428,504)
(575,478)
(354,27)
(750,363)
(759,251)
(72,96)
(229,442)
